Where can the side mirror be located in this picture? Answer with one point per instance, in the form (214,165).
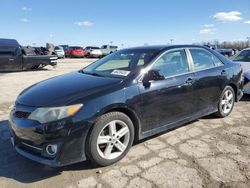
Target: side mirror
(152,75)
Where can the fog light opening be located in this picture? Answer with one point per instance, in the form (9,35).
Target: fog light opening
(51,149)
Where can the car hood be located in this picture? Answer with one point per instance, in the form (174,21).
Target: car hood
(62,90)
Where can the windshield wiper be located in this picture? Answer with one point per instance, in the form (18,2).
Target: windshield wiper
(92,73)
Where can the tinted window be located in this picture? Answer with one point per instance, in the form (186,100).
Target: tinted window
(92,47)
(243,56)
(217,62)
(76,48)
(202,59)
(8,51)
(172,63)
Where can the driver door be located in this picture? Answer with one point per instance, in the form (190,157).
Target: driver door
(10,59)
(170,99)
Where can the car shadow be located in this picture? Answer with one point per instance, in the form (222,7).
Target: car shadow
(245,98)
(35,70)
(14,166)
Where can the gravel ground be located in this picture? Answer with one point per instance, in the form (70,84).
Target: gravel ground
(209,152)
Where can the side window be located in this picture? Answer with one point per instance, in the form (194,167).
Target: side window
(7,51)
(172,63)
(202,59)
(217,62)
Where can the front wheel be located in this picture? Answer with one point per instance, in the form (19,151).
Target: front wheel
(110,139)
(226,102)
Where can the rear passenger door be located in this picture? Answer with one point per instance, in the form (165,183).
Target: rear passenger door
(210,77)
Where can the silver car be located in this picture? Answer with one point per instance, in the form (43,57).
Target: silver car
(243,57)
(59,52)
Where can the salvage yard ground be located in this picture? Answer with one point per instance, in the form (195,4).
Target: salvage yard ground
(209,152)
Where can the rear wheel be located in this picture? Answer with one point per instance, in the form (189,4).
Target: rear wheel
(110,139)
(226,102)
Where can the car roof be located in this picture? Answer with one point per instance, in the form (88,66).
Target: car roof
(8,42)
(165,47)
(75,47)
(245,49)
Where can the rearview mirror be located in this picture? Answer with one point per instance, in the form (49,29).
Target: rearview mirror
(152,75)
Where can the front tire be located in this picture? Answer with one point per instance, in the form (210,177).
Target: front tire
(226,102)
(110,139)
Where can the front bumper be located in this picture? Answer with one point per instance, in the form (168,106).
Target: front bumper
(77,55)
(30,139)
(95,54)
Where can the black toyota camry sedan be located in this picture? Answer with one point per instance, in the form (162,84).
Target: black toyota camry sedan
(98,112)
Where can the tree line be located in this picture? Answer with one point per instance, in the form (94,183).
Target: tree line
(237,45)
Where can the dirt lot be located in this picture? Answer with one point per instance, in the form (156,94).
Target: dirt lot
(208,152)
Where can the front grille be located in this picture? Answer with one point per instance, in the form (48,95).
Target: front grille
(20,114)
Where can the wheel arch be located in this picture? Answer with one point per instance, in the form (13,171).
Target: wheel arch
(235,90)
(131,114)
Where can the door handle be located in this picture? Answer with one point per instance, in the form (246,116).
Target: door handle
(11,59)
(188,82)
(223,72)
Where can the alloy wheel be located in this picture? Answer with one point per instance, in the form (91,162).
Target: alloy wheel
(227,101)
(113,139)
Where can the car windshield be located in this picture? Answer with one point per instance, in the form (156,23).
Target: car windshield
(120,64)
(243,56)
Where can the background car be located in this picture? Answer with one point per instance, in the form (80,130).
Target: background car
(108,49)
(93,51)
(14,57)
(66,49)
(59,52)
(243,57)
(76,51)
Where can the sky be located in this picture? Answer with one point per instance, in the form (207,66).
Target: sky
(124,23)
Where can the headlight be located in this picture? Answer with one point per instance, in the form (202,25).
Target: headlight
(45,115)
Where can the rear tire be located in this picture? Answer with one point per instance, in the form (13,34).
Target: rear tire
(226,102)
(110,139)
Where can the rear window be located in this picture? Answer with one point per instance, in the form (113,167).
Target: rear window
(76,48)
(92,48)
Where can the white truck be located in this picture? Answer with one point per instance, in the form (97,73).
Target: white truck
(108,49)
